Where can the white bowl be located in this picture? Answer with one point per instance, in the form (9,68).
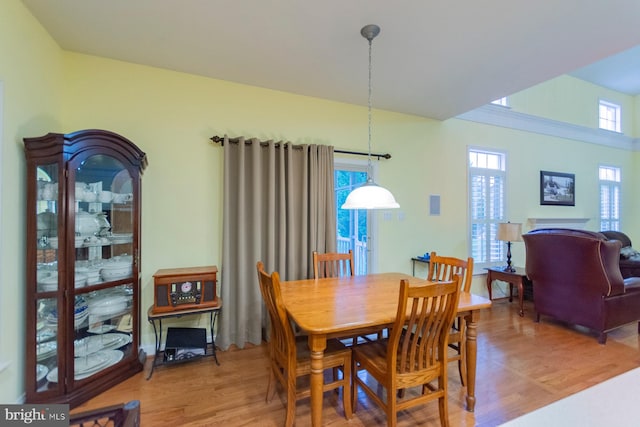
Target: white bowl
(80,280)
(115,272)
(49,283)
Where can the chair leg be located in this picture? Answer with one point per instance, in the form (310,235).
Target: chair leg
(462,363)
(271,386)
(291,401)
(354,385)
(444,411)
(392,408)
(346,389)
(602,339)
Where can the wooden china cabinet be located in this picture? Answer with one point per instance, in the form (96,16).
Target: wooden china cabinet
(83,262)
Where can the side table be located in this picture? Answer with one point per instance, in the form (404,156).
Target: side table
(413,264)
(154,318)
(518,277)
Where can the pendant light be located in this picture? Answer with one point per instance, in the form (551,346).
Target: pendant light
(370,195)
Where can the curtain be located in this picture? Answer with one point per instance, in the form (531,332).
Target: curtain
(279,206)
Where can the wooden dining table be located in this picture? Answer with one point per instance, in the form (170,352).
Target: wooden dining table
(334,307)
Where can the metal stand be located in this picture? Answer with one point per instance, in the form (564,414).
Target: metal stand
(157,330)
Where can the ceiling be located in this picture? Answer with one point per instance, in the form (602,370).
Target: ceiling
(432,59)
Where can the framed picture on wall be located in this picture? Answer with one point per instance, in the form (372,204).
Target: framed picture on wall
(557,188)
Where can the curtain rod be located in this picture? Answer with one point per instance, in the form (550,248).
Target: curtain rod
(220,140)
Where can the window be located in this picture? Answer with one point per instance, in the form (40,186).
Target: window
(502,101)
(609,198)
(353,226)
(609,116)
(487,175)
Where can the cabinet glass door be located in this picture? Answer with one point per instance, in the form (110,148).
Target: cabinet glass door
(104,264)
(47,281)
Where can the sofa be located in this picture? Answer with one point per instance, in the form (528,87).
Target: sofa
(576,279)
(629,257)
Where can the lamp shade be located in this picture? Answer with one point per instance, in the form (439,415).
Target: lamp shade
(370,196)
(510,232)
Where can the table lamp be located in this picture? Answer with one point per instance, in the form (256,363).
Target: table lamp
(509,232)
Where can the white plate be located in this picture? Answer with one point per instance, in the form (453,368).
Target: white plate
(102,329)
(80,318)
(112,357)
(45,335)
(94,343)
(108,310)
(46,350)
(41,372)
(90,363)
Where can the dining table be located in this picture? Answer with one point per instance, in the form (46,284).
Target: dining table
(340,306)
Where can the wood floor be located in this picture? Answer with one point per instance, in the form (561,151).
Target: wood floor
(522,366)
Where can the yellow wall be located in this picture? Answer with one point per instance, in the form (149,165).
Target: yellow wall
(171,115)
(30,71)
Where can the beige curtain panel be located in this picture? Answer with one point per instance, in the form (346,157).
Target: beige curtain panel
(279,206)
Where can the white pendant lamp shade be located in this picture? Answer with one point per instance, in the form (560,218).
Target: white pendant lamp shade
(370,196)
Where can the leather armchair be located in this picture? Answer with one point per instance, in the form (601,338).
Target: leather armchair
(629,267)
(576,279)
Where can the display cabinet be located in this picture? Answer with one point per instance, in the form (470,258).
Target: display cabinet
(83,264)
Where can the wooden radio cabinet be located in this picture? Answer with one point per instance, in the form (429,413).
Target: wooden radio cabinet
(176,289)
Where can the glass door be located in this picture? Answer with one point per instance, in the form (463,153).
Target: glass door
(49,309)
(353,226)
(104,264)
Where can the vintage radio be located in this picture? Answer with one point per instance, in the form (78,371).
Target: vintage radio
(184,289)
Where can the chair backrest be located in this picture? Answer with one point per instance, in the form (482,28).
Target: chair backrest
(419,340)
(443,268)
(282,343)
(332,264)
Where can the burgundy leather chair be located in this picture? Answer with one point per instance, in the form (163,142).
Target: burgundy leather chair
(628,267)
(576,279)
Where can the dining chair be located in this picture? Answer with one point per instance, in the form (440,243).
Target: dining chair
(444,268)
(334,264)
(290,356)
(414,355)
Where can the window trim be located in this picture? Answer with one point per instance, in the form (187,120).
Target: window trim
(617,109)
(612,184)
(479,266)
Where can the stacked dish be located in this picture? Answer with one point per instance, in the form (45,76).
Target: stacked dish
(95,343)
(108,305)
(118,238)
(81,313)
(46,349)
(47,282)
(117,268)
(86,366)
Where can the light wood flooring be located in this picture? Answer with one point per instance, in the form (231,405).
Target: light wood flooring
(522,366)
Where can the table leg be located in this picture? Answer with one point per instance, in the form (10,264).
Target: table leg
(521,296)
(212,323)
(472,350)
(317,345)
(158,335)
(489,281)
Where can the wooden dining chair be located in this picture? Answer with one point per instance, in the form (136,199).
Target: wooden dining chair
(444,268)
(414,354)
(334,264)
(290,356)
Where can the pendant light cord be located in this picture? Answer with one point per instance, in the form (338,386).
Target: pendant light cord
(369,164)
